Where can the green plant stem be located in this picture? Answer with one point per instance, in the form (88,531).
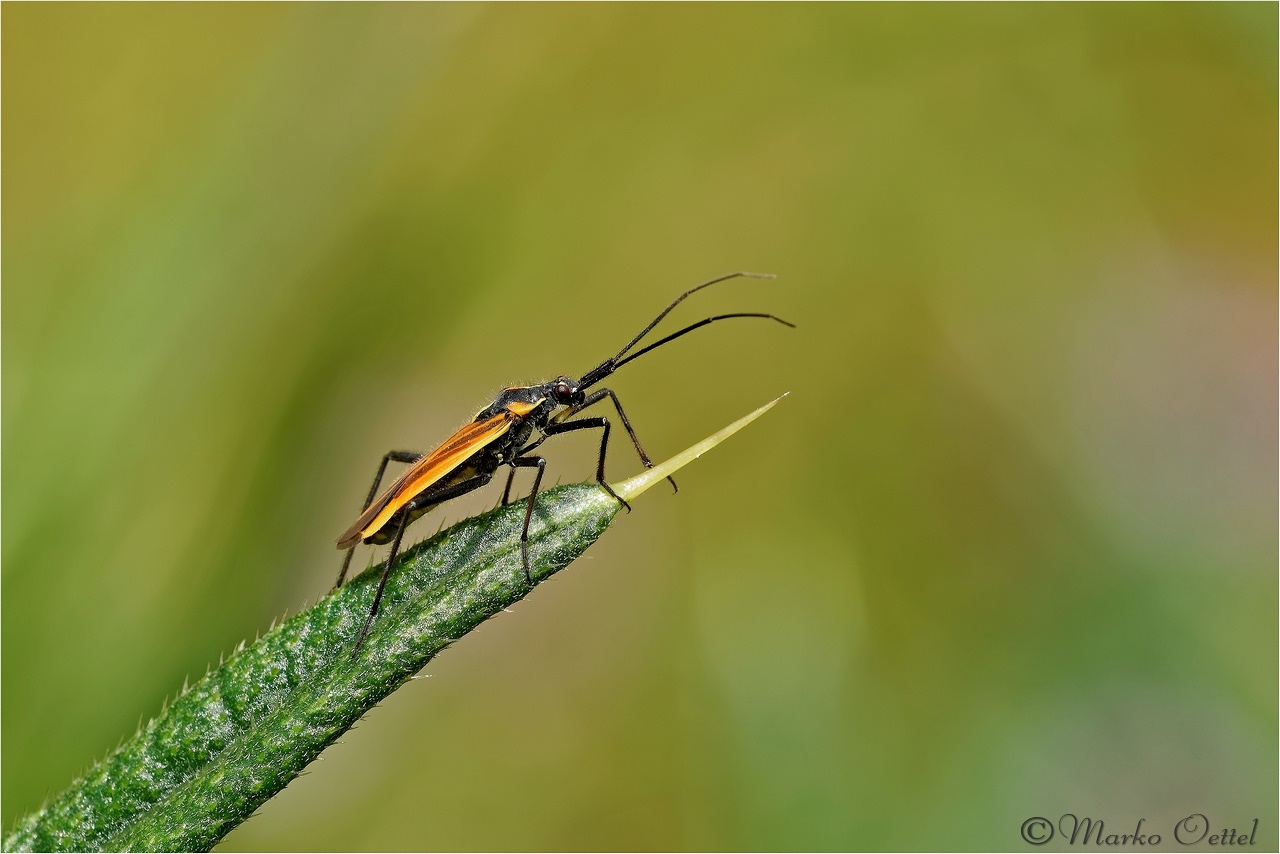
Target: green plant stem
(240,734)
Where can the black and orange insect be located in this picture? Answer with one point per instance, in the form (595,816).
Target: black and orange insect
(502,434)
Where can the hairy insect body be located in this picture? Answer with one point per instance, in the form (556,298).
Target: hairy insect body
(524,409)
(506,433)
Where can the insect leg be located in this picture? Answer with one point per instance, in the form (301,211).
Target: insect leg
(529,447)
(447,493)
(587,424)
(596,397)
(506,493)
(382,583)
(528,462)
(389,456)
(426,499)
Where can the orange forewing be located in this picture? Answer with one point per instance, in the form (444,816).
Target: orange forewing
(422,474)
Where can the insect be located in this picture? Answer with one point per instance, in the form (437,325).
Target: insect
(502,434)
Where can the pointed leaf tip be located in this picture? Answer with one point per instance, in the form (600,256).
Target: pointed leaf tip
(634,486)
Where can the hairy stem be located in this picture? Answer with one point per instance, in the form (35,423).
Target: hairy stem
(240,734)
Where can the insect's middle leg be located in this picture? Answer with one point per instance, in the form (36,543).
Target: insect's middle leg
(389,456)
(506,493)
(541,464)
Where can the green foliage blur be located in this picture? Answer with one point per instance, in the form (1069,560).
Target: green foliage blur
(1007,550)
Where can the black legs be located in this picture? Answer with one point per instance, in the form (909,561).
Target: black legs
(407,515)
(588,424)
(527,462)
(382,582)
(596,397)
(389,456)
(561,426)
(541,464)
(522,459)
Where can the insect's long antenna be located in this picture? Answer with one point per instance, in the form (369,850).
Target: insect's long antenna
(692,326)
(609,365)
(675,302)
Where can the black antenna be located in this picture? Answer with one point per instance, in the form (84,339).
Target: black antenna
(611,364)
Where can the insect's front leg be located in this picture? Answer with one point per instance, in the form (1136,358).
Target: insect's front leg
(600,423)
(599,395)
(389,456)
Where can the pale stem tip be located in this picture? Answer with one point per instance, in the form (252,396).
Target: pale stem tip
(631,487)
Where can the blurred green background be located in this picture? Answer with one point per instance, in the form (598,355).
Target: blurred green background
(1008,549)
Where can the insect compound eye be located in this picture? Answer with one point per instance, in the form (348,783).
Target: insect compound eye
(563,390)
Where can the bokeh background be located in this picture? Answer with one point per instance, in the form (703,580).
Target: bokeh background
(1007,550)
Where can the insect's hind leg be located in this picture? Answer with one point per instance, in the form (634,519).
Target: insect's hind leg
(426,499)
(389,456)
(382,582)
